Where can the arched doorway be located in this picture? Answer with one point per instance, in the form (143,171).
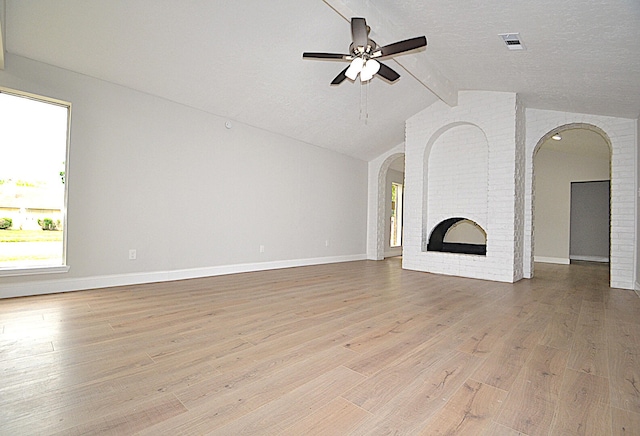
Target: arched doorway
(573,155)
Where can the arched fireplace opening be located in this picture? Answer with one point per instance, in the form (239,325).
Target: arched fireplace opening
(458,235)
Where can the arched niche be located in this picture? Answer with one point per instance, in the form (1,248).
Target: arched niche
(455,176)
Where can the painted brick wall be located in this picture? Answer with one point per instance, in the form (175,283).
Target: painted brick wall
(457,176)
(494,115)
(512,134)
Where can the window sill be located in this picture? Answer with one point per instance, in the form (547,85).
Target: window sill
(6,272)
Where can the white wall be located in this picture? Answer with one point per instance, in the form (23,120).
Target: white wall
(192,197)
(555,171)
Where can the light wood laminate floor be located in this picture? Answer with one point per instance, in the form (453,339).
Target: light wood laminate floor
(358,348)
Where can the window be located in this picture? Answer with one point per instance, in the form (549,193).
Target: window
(33,148)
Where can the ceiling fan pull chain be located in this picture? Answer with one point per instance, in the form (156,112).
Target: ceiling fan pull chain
(364,102)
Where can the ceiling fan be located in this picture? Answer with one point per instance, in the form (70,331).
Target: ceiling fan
(364,54)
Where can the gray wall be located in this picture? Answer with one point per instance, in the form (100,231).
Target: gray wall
(590,218)
(186,192)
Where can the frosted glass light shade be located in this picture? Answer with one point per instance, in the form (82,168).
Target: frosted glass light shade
(369,69)
(354,68)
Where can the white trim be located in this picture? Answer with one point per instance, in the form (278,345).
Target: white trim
(590,258)
(559,260)
(84,283)
(26,271)
(393,251)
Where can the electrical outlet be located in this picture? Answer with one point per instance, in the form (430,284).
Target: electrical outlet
(133,254)
(262,249)
(326,243)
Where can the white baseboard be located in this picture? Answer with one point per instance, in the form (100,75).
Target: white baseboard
(590,258)
(78,284)
(559,260)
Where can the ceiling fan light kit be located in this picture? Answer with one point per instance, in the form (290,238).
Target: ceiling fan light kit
(365,53)
(354,68)
(371,67)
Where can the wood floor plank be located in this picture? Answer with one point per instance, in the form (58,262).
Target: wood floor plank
(502,366)
(359,348)
(624,423)
(276,416)
(559,332)
(533,397)
(61,408)
(589,350)
(487,335)
(623,305)
(623,340)
(384,386)
(145,415)
(584,407)
(495,429)
(391,351)
(388,332)
(337,418)
(409,411)
(291,370)
(469,411)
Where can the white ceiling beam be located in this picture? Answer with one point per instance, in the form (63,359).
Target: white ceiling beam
(420,67)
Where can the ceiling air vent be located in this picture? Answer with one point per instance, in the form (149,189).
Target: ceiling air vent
(512,40)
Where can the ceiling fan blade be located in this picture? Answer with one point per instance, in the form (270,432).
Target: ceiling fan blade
(401,46)
(311,55)
(340,77)
(387,73)
(359,33)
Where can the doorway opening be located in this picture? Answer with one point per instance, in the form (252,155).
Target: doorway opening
(590,221)
(568,156)
(390,207)
(395,239)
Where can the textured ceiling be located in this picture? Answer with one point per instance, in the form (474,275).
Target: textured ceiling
(243,61)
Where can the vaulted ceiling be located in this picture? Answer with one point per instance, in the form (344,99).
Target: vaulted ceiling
(242,60)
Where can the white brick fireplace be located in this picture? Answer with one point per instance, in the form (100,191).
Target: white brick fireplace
(474,161)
